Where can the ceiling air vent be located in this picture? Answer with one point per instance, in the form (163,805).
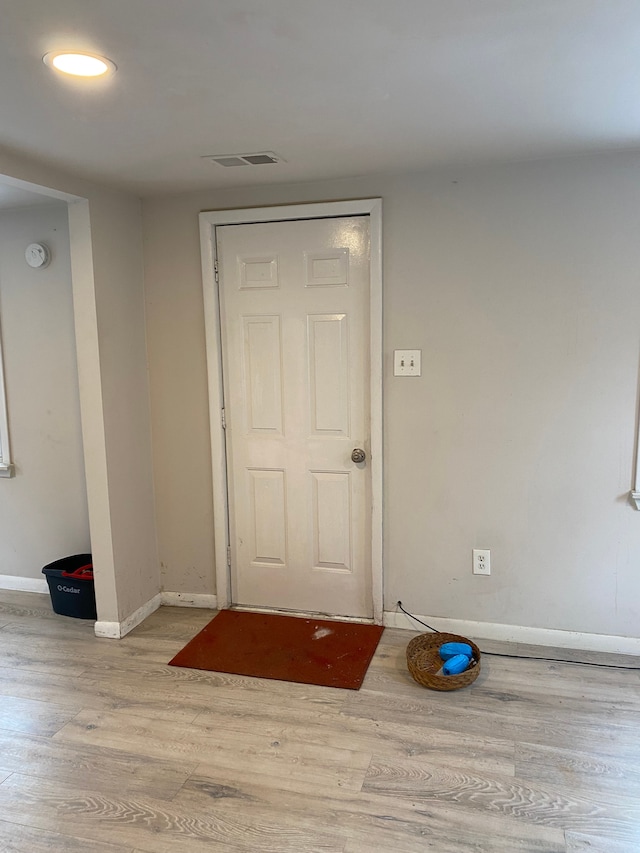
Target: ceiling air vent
(261,158)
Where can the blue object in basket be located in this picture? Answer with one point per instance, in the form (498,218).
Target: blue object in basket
(456,665)
(450,650)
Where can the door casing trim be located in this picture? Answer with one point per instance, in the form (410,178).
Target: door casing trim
(209,221)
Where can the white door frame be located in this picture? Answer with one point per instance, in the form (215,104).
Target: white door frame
(209,220)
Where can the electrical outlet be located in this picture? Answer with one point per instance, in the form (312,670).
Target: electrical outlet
(407,362)
(481,561)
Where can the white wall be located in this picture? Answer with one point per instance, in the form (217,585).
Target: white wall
(118,276)
(43,509)
(520,285)
(106,262)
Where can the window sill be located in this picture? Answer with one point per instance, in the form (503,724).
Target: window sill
(6,470)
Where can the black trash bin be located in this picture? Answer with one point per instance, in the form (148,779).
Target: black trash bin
(71,586)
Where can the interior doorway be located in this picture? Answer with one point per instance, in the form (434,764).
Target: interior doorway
(293,313)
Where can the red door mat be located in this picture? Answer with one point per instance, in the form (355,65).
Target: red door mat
(287,648)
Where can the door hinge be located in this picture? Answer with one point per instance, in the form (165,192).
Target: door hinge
(229,556)
(215,269)
(223,419)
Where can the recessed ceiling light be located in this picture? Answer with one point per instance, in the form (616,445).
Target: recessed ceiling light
(79,64)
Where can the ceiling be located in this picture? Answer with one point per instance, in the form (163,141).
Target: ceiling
(335,87)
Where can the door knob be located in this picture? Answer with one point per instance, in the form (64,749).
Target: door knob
(358,455)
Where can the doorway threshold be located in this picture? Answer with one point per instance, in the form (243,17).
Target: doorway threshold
(301,614)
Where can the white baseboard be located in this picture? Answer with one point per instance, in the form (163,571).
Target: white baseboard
(520,634)
(117,630)
(23,584)
(189,599)
(108,630)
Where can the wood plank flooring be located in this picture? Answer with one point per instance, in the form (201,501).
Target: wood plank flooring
(106,749)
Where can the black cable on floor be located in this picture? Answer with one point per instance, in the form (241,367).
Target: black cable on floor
(523,657)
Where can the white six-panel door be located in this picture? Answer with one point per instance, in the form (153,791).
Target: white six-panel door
(294,302)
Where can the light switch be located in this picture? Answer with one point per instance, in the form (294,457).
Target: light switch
(407,362)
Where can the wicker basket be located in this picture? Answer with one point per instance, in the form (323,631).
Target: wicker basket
(424,662)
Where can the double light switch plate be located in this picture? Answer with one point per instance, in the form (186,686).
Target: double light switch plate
(407,362)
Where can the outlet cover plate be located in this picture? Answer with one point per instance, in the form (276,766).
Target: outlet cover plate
(407,362)
(481,561)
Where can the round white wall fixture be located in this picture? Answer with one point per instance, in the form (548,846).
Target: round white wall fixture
(37,255)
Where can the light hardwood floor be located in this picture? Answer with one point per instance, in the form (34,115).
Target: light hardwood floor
(105,748)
